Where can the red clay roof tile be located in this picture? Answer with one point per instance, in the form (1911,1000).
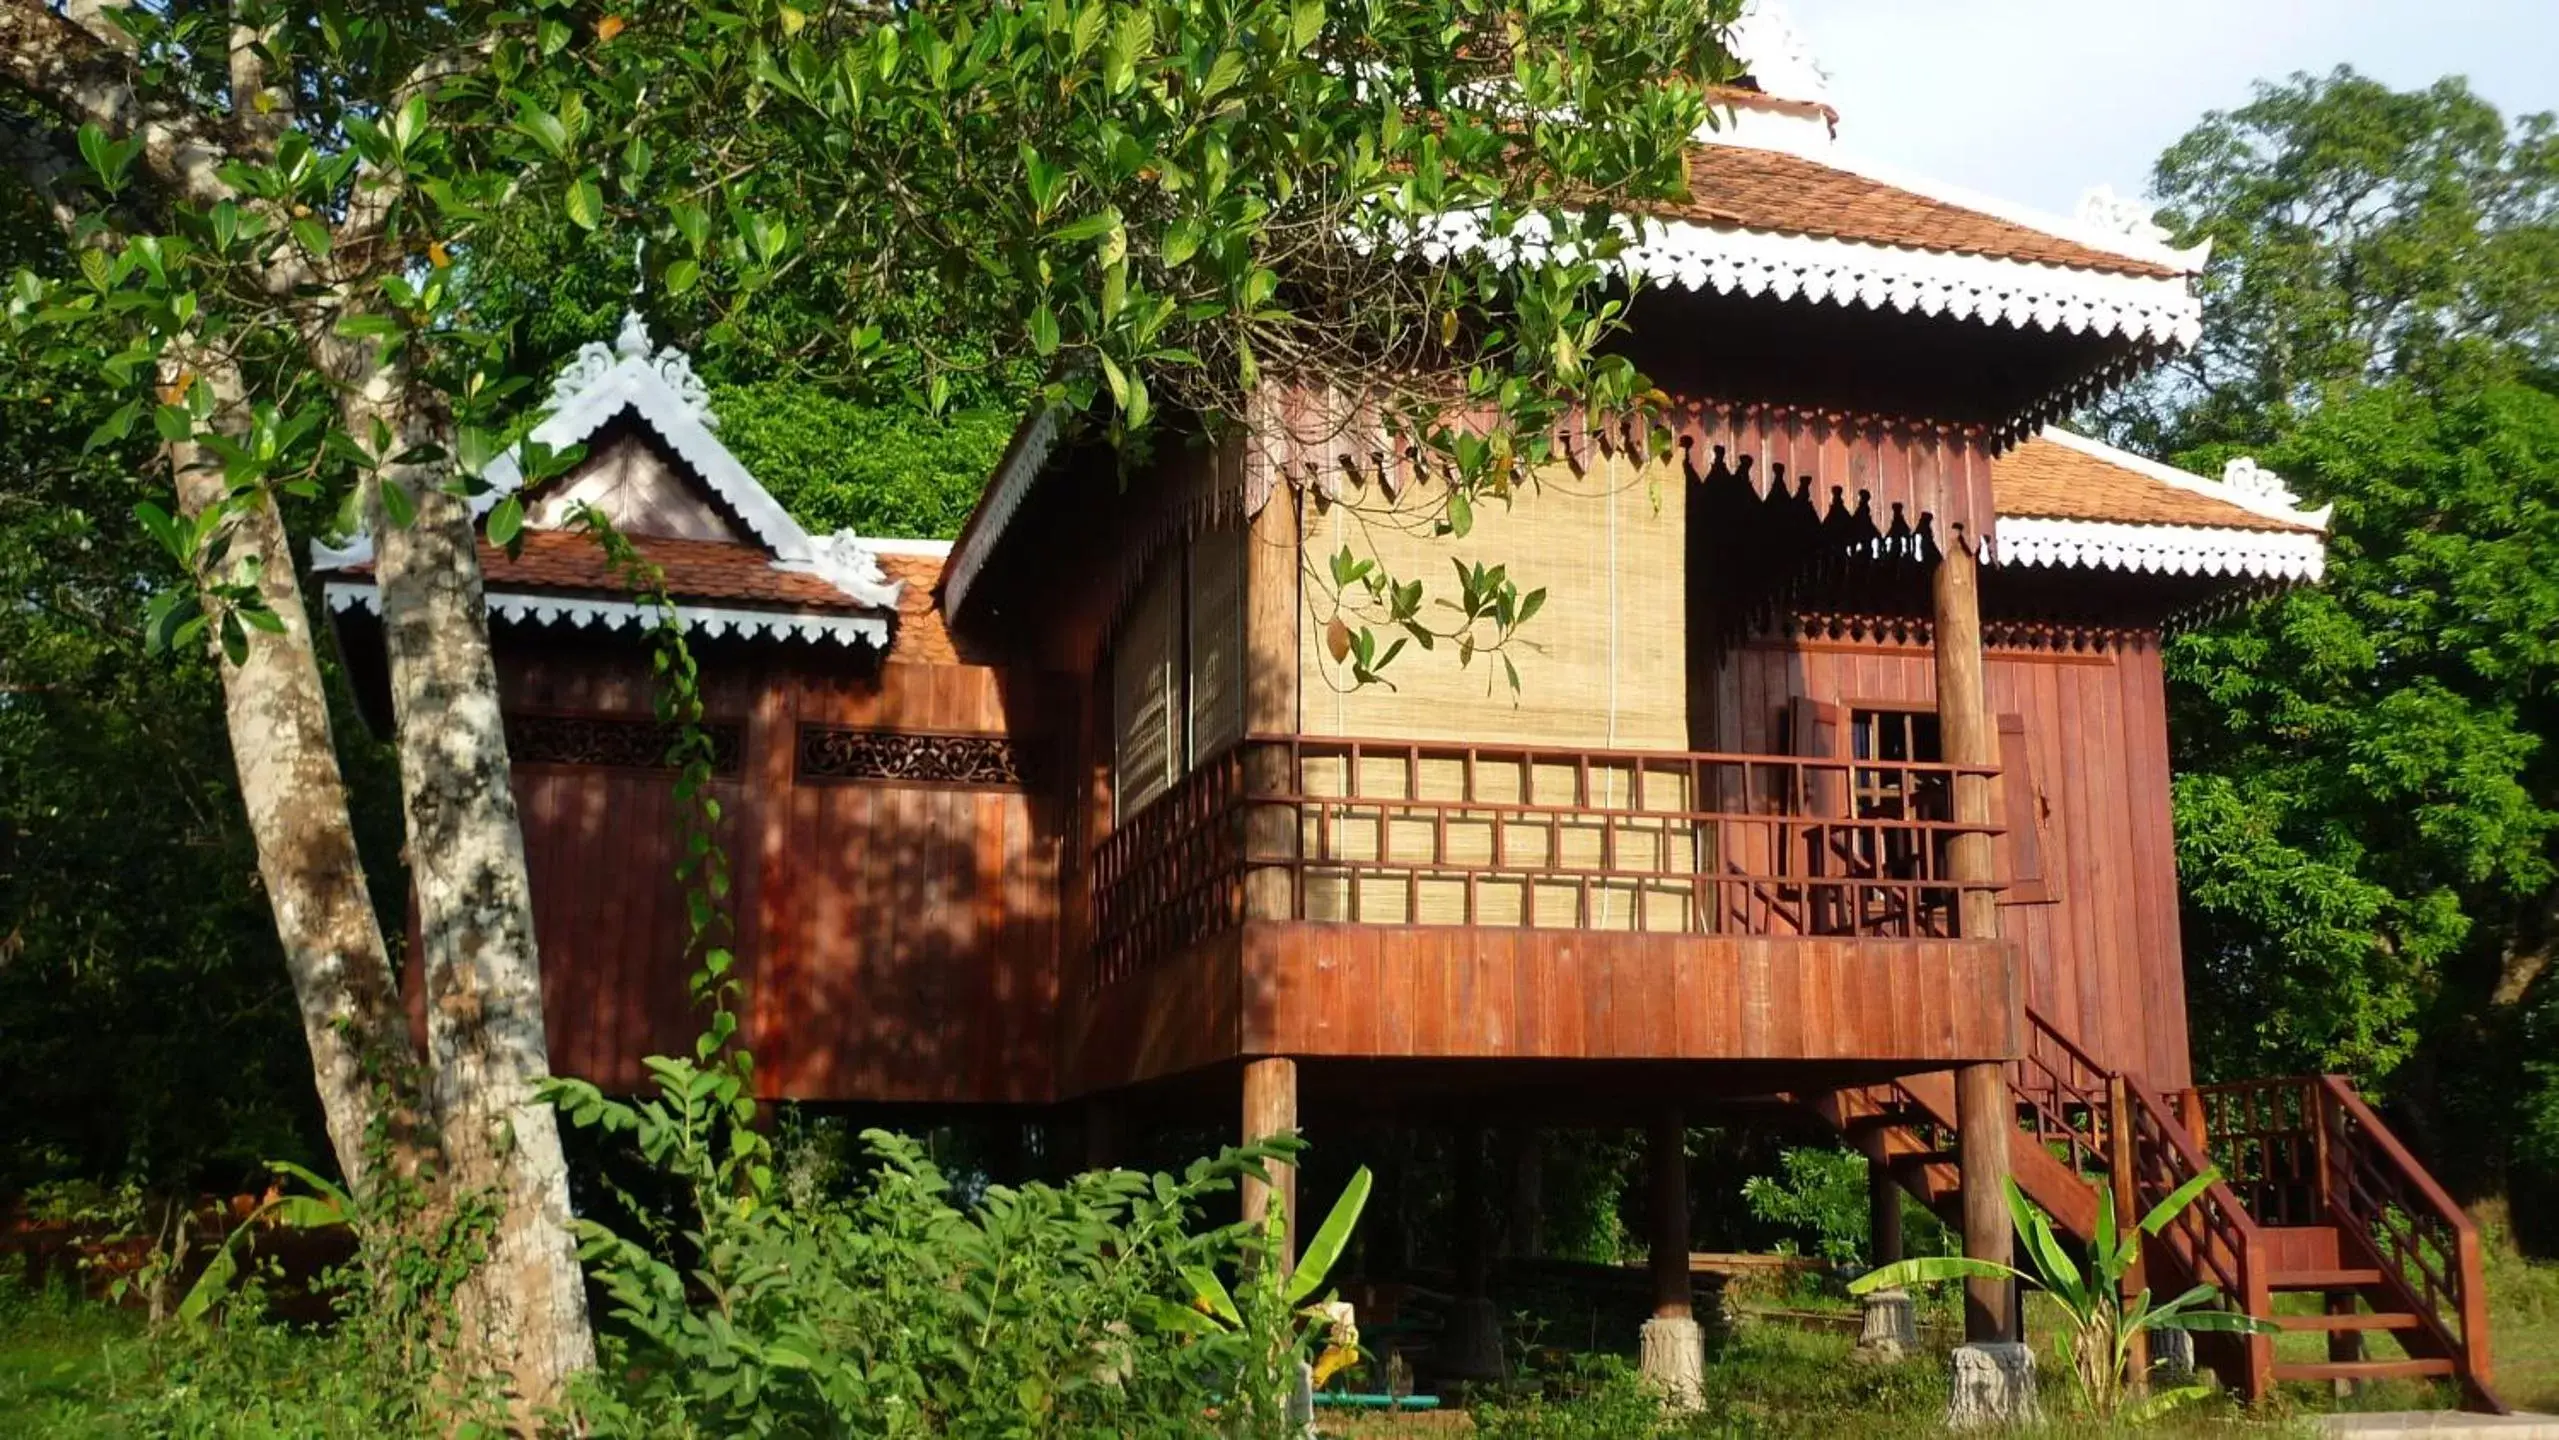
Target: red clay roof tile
(2048,480)
(1756,189)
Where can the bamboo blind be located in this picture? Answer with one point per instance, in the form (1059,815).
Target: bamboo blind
(1145,712)
(1603,665)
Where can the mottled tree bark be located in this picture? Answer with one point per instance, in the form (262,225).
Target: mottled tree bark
(296,799)
(523,1311)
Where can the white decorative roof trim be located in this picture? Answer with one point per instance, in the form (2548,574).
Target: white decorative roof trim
(2128,215)
(1775,54)
(661,387)
(2243,484)
(920,549)
(1022,465)
(2163,310)
(582,612)
(2024,540)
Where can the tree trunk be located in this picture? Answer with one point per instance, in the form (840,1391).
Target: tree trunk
(523,1311)
(296,799)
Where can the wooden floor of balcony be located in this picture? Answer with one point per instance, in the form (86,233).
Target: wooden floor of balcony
(1314,989)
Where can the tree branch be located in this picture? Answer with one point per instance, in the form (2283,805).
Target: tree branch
(68,69)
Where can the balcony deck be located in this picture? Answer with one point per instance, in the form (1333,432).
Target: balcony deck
(1353,898)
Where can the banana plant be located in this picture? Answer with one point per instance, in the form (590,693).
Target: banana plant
(2103,1324)
(1279,1315)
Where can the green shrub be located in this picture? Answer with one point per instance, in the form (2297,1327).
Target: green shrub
(1820,1194)
(886,469)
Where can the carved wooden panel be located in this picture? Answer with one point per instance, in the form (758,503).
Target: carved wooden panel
(613,741)
(975,761)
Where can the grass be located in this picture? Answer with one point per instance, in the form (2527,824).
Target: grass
(72,1368)
(61,1357)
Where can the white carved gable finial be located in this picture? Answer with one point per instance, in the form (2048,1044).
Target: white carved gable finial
(2244,475)
(633,342)
(596,360)
(2101,208)
(1774,53)
(852,567)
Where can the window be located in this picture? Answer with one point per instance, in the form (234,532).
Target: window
(1892,737)
(1177,668)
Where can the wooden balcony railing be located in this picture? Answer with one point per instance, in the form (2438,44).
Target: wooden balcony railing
(1396,832)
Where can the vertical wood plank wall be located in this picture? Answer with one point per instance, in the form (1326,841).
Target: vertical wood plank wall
(2103,960)
(899,940)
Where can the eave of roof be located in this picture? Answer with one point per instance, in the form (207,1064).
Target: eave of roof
(2068,501)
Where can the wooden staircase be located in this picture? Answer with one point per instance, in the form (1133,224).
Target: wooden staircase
(2316,1195)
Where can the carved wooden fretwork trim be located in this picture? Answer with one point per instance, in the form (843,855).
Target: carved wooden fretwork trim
(613,742)
(828,753)
(1915,633)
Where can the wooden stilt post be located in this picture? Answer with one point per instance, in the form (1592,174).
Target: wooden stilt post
(1270,1108)
(1883,1198)
(1474,1330)
(2121,1158)
(1527,1218)
(1984,1115)
(1102,1138)
(1674,1347)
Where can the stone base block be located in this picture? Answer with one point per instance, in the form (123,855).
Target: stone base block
(2172,1357)
(1994,1386)
(1674,1359)
(1891,1329)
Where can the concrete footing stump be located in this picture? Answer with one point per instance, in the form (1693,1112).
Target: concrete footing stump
(2172,1357)
(1994,1385)
(1674,1358)
(1891,1329)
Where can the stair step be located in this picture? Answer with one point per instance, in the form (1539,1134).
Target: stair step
(2362,1369)
(2384,1321)
(1897,1119)
(1923,1159)
(2324,1279)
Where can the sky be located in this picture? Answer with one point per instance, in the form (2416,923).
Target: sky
(2036,101)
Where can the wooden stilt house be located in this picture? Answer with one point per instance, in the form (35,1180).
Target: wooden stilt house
(1837,775)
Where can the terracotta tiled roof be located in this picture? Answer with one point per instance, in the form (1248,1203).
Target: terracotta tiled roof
(921,635)
(695,570)
(2049,480)
(1756,189)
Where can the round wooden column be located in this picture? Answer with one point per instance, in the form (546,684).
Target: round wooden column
(1672,1344)
(1666,1157)
(1883,1198)
(1984,1115)
(1270,1108)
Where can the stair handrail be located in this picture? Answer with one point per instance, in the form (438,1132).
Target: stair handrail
(2383,1200)
(2213,1240)
(2049,1089)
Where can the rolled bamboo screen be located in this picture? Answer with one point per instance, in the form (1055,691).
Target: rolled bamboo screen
(1216,627)
(1177,667)
(1603,666)
(1146,713)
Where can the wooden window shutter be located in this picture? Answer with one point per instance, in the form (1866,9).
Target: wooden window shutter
(2023,810)
(1216,635)
(1819,728)
(1146,713)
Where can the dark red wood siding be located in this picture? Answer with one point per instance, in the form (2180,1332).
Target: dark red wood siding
(898,938)
(2103,957)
